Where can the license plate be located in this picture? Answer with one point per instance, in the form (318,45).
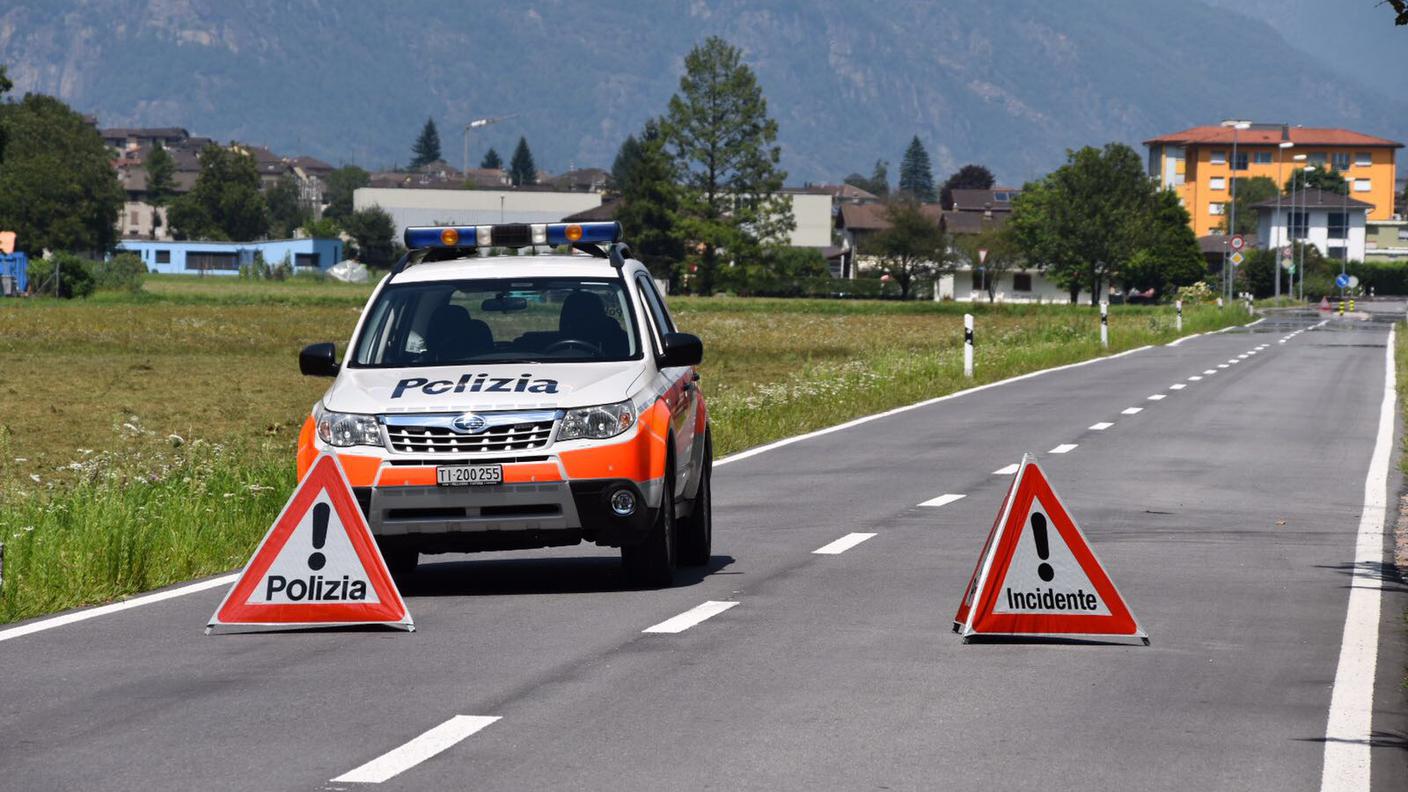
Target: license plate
(468,475)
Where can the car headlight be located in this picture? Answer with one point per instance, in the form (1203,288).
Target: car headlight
(346,429)
(603,420)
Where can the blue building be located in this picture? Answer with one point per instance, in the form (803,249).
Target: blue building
(14,274)
(225,258)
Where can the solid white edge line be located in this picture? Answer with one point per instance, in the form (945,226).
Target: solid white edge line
(1064,448)
(943,500)
(1181,340)
(427,745)
(843,544)
(691,617)
(116,607)
(1006,471)
(1348,729)
(1100,427)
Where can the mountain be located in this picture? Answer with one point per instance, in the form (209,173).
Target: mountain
(1008,83)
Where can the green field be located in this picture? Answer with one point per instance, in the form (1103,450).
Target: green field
(148,438)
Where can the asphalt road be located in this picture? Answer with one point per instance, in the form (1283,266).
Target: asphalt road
(1226,512)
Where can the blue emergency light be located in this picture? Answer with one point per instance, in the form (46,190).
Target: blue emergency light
(512,235)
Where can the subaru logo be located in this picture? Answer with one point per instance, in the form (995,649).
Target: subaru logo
(469,423)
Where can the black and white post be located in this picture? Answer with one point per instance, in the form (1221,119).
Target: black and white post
(1104,324)
(1178,315)
(968,345)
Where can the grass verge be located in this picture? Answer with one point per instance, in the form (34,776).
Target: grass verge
(148,439)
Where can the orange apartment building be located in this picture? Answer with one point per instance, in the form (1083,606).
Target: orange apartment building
(1198,164)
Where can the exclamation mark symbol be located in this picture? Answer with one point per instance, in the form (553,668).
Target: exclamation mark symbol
(1043,550)
(320,536)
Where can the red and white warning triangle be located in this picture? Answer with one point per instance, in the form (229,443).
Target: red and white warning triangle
(1038,576)
(317,566)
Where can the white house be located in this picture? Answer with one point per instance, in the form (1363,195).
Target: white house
(1332,222)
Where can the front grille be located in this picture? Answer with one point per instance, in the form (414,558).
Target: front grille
(407,437)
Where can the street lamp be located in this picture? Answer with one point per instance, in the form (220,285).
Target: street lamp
(476,124)
(1276,244)
(1295,183)
(1305,215)
(1236,126)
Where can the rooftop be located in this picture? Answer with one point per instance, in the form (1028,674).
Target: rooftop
(1273,134)
(1316,199)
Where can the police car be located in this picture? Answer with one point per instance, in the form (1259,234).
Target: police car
(504,402)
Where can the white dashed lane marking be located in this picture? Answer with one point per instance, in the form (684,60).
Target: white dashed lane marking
(1196,378)
(1005,471)
(942,500)
(1064,448)
(1100,427)
(1177,386)
(691,617)
(841,545)
(1158,397)
(1131,411)
(427,745)
(1212,371)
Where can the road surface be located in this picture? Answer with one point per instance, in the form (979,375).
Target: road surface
(1227,511)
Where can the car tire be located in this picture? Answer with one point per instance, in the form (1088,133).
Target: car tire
(697,530)
(651,563)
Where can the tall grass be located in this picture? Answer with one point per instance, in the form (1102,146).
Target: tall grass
(94,505)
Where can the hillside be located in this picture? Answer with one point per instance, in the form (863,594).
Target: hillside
(1011,84)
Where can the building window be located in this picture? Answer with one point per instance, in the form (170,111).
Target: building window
(1216,208)
(1338,223)
(1021,281)
(1218,158)
(1299,224)
(212,260)
(1340,160)
(1217,183)
(135,217)
(1261,157)
(1363,159)
(1362,185)
(163,257)
(306,260)
(1239,161)
(978,280)
(1179,179)
(1402,233)
(1317,158)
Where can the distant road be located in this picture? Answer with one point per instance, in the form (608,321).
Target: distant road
(1221,481)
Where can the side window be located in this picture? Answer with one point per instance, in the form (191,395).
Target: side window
(659,316)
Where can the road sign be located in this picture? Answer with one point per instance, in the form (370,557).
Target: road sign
(318,565)
(982,255)
(1342,280)
(1238,241)
(1237,259)
(1037,575)
(1353,281)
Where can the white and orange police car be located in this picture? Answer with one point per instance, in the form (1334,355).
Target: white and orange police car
(512,402)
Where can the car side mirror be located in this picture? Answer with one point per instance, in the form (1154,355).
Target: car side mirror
(680,349)
(318,360)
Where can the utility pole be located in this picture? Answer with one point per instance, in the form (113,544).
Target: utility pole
(1277,233)
(1237,126)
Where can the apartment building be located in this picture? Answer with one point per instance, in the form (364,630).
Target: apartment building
(1200,164)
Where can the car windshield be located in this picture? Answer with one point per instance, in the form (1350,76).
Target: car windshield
(498,321)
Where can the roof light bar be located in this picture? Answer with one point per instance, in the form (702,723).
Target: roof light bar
(512,235)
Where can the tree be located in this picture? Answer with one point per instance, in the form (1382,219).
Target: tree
(323,228)
(492,160)
(5,86)
(878,183)
(644,177)
(1319,179)
(916,174)
(724,147)
(914,246)
(1250,192)
(286,210)
(226,202)
(1166,254)
(427,146)
(521,170)
(1400,10)
(160,178)
(58,190)
(968,177)
(372,230)
(1001,257)
(342,183)
(1080,222)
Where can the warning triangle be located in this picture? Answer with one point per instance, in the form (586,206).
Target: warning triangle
(1037,575)
(317,566)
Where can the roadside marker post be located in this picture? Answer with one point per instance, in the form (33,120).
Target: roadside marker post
(968,345)
(1037,575)
(1178,315)
(318,565)
(1104,324)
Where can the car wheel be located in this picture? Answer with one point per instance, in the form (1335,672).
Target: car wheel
(697,530)
(651,563)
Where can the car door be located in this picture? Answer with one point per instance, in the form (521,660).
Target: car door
(681,394)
